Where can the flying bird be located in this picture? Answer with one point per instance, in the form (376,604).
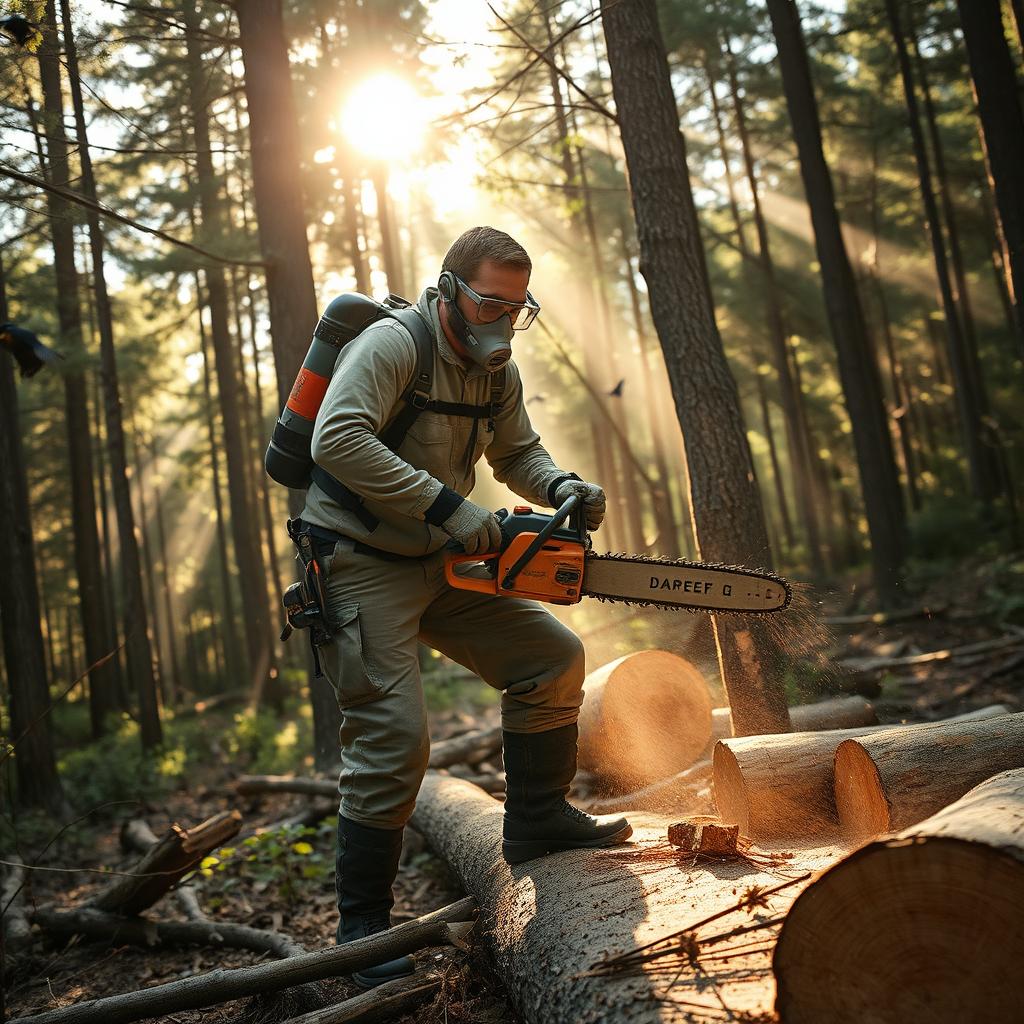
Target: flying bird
(21,32)
(616,391)
(27,349)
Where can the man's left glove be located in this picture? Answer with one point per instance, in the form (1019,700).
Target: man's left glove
(593,500)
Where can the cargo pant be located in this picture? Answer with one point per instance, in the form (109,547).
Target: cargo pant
(379,610)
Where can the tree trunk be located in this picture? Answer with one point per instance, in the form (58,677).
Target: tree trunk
(799,456)
(232,651)
(168,586)
(931,918)
(782,787)
(725,499)
(96,628)
(834,713)
(887,782)
(1002,121)
(388,232)
(248,550)
(857,368)
(644,717)
(970,401)
(34,761)
(140,659)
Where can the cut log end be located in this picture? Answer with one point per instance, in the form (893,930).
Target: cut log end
(931,919)
(730,789)
(860,797)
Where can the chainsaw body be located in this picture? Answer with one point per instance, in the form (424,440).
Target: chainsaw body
(543,560)
(539,560)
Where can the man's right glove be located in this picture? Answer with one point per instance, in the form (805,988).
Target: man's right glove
(476,529)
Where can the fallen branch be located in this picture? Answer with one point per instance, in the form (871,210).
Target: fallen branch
(176,853)
(389,1001)
(470,748)
(448,925)
(869,666)
(144,931)
(137,835)
(885,618)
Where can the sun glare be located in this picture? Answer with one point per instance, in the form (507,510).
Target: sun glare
(384,117)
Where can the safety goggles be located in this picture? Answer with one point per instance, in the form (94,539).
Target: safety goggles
(489,309)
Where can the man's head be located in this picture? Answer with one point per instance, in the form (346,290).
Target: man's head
(483,290)
(493,264)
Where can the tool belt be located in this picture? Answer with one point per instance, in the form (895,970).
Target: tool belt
(304,602)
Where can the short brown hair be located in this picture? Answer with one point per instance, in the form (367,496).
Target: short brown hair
(474,246)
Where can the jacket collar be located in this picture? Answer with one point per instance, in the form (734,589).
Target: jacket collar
(427,305)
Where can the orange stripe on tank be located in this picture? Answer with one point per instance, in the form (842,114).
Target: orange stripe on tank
(307,393)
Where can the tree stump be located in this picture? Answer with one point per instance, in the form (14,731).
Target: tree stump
(644,717)
(922,927)
(896,778)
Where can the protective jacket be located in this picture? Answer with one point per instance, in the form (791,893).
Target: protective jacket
(412,491)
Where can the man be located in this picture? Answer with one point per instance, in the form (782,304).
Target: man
(386,589)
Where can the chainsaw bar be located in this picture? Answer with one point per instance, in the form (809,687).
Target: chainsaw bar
(682,585)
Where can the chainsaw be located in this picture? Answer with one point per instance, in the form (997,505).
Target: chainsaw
(549,558)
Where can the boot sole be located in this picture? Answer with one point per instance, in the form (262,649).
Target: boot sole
(515,851)
(366,982)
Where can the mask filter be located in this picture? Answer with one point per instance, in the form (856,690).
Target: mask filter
(487,345)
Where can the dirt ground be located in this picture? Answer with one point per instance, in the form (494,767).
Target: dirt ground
(50,974)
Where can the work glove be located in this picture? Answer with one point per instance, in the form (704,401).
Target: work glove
(593,500)
(476,529)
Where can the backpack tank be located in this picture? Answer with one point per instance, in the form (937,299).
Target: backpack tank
(288,459)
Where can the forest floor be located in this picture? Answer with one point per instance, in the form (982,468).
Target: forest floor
(284,880)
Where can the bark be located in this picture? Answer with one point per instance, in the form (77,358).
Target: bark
(176,853)
(931,918)
(835,713)
(549,922)
(970,399)
(222,985)
(782,787)
(725,500)
(140,659)
(96,629)
(887,782)
(645,716)
(172,632)
(1002,121)
(773,455)
(244,531)
(857,368)
(24,658)
(277,185)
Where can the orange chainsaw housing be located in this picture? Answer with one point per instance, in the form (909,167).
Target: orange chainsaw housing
(554,574)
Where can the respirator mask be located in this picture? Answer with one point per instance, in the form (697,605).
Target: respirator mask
(487,344)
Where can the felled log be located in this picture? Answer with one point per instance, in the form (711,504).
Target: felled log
(489,782)
(897,778)
(386,1002)
(178,851)
(446,925)
(470,748)
(836,713)
(781,786)
(645,717)
(925,926)
(255,785)
(547,922)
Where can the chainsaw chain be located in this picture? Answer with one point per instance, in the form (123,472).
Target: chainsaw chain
(643,602)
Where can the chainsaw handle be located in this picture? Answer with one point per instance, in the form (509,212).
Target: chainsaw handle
(567,508)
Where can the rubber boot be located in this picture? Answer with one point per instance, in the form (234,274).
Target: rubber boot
(366,866)
(539,768)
